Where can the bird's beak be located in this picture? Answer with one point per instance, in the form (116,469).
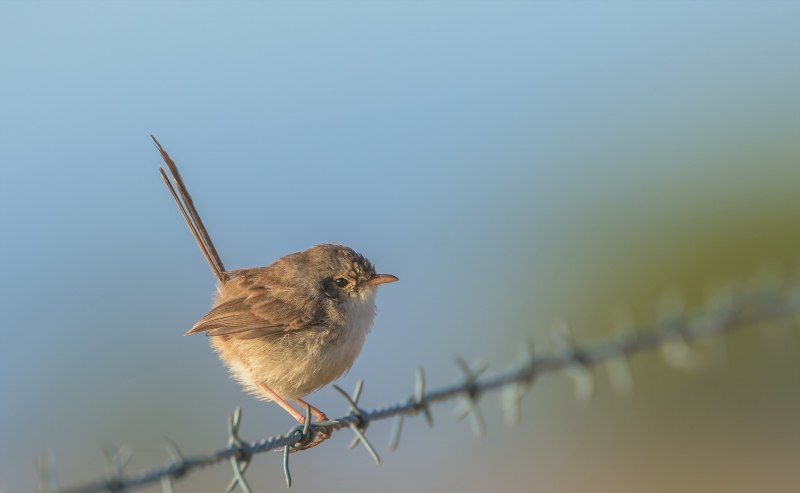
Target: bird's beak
(381,279)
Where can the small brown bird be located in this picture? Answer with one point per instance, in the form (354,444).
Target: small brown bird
(289,328)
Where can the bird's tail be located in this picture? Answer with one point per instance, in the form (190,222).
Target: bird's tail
(186,206)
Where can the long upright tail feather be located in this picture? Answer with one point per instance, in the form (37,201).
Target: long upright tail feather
(189,212)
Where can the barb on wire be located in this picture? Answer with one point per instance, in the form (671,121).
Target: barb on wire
(304,434)
(579,370)
(619,369)
(240,461)
(676,352)
(675,328)
(418,405)
(469,396)
(514,392)
(176,463)
(359,426)
(116,460)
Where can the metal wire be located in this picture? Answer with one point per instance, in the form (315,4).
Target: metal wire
(671,333)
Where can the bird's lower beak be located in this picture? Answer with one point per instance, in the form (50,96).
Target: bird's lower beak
(381,279)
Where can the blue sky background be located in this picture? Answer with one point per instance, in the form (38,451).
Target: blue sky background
(510,162)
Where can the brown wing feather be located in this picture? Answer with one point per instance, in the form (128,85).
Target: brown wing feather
(256,311)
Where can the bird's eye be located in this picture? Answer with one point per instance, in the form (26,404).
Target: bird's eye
(342,282)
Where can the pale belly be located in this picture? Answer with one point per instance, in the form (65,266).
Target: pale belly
(296,363)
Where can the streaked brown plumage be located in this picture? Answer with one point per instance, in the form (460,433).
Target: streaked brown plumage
(289,328)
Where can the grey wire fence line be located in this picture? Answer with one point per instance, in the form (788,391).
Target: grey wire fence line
(671,333)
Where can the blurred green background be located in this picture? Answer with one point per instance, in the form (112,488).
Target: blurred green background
(511,162)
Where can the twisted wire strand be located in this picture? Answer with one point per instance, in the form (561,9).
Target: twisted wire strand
(755,306)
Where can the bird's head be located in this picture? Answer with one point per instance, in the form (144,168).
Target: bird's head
(342,273)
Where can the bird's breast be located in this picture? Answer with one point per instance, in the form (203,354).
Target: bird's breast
(357,315)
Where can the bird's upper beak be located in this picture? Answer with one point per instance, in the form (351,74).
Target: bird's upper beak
(381,279)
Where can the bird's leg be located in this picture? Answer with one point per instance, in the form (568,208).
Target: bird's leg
(282,402)
(321,434)
(316,412)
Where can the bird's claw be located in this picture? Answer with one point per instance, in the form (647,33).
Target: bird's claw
(315,436)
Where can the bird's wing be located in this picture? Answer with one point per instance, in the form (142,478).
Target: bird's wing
(258,312)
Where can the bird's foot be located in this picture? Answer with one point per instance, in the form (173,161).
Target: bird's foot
(319,433)
(315,434)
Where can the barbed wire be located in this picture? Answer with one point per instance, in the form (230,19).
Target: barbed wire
(672,332)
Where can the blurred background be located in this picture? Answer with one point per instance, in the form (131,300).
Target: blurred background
(512,163)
